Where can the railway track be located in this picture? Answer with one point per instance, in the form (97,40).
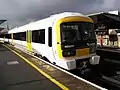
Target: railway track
(108,82)
(108,72)
(103,75)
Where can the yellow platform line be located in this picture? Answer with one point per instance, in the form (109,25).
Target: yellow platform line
(39,70)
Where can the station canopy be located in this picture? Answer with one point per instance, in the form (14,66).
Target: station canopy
(2,21)
(105,20)
(2,30)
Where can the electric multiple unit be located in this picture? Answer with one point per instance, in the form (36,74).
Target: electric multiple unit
(66,39)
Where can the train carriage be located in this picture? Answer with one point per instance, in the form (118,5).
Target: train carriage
(66,39)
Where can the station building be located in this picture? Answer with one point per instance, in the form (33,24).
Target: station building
(107,28)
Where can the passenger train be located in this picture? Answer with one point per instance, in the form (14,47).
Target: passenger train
(67,40)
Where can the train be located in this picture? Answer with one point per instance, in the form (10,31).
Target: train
(65,39)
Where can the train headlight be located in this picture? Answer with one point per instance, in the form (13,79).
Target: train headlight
(67,53)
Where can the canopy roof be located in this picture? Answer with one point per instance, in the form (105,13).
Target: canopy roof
(109,21)
(2,21)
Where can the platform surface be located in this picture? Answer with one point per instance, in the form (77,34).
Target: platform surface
(16,74)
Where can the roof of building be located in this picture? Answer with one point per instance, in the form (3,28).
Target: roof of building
(110,21)
(2,21)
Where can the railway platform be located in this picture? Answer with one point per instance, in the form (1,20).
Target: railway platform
(22,71)
(16,74)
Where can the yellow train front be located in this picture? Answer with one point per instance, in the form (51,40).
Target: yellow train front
(76,42)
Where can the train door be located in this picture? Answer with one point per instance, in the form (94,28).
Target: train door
(12,42)
(4,38)
(29,40)
(50,46)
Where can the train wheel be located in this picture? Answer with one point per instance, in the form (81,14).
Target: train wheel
(38,55)
(54,63)
(35,54)
(44,58)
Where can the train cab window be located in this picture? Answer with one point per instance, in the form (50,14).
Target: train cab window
(50,36)
(38,36)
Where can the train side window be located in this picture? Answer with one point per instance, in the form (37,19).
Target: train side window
(42,36)
(34,36)
(9,36)
(38,36)
(5,35)
(20,36)
(13,35)
(16,36)
(50,36)
(23,36)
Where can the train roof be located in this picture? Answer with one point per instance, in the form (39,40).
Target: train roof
(48,21)
(64,14)
(67,14)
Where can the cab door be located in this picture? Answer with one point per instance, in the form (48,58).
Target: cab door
(29,40)
(50,50)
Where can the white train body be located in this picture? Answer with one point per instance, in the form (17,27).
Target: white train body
(51,44)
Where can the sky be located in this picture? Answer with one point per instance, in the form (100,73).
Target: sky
(20,12)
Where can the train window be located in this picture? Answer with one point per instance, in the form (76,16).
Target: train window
(7,36)
(42,36)
(20,36)
(50,36)
(38,36)
(16,36)
(34,36)
(1,36)
(23,36)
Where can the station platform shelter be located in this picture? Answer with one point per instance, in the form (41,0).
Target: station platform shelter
(107,27)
